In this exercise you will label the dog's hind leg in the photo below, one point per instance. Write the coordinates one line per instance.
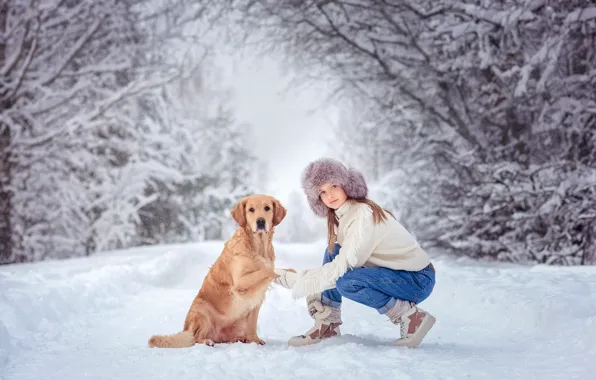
(200, 326)
(235, 332)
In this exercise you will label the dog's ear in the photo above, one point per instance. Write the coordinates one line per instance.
(279, 212)
(239, 212)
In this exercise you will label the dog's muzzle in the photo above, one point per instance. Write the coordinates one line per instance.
(261, 224)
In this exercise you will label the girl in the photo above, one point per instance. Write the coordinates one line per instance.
(370, 259)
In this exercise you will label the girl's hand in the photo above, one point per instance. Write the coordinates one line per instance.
(286, 277)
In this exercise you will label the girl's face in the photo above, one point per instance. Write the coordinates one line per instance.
(332, 195)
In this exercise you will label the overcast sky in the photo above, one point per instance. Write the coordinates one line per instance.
(288, 136)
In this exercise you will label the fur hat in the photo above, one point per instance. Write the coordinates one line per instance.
(327, 169)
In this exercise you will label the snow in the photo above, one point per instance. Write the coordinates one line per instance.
(91, 318)
(581, 14)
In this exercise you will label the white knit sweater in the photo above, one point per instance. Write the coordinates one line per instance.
(363, 244)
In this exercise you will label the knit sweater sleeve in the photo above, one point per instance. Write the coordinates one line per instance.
(356, 249)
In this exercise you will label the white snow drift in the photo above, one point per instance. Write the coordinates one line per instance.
(91, 318)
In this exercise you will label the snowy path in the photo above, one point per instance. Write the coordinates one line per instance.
(91, 318)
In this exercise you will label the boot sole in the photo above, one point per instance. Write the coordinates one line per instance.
(424, 328)
(304, 343)
(308, 342)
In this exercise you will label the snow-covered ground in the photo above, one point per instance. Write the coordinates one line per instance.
(90, 318)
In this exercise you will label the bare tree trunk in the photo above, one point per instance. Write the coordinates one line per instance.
(5, 169)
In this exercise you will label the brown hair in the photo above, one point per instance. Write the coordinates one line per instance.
(332, 221)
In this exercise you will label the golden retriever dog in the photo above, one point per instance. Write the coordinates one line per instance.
(226, 309)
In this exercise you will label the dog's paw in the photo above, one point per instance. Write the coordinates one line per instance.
(255, 339)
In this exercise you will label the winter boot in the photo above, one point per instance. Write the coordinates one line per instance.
(413, 321)
(327, 321)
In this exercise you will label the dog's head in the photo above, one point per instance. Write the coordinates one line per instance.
(258, 213)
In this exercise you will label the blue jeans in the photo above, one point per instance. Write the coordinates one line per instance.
(378, 288)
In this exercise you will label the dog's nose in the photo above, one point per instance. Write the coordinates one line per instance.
(261, 223)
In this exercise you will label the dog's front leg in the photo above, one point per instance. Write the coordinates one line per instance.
(251, 326)
(254, 281)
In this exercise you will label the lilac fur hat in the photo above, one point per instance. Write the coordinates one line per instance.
(327, 169)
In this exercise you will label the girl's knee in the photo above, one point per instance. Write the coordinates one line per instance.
(425, 292)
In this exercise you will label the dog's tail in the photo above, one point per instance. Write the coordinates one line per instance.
(178, 340)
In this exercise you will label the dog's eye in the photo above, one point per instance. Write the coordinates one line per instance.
(267, 208)
(251, 209)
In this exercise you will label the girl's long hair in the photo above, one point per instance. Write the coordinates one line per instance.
(379, 214)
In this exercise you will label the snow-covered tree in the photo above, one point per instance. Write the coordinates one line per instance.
(521, 79)
(85, 132)
(480, 111)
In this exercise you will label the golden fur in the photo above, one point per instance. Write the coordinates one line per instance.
(226, 309)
